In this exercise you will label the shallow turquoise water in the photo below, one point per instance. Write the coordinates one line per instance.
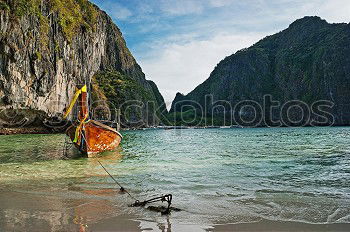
(215, 175)
(240, 175)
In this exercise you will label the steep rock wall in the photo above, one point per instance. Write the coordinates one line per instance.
(49, 47)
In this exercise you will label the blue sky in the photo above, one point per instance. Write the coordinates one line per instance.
(179, 42)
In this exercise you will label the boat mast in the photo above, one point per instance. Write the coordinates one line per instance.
(83, 104)
(83, 99)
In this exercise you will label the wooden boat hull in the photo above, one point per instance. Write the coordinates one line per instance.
(95, 137)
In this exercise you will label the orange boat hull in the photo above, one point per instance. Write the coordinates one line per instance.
(94, 138)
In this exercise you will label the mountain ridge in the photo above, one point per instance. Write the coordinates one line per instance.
(307, 62)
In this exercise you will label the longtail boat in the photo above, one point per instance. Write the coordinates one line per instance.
(89, 136)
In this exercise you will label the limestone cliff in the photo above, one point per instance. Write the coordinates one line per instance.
(47, 47)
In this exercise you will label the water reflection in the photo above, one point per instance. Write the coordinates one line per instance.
(53, 214)
(165, 227)
(53, 195)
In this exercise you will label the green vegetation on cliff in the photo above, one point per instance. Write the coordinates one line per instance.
(159, 98)
(119, 87)
(73, 14)
(120, 91)
(4, 5)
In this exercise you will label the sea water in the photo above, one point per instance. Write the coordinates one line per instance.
(216, 176)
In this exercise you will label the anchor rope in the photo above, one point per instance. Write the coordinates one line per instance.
(121, 187)
(168, 198)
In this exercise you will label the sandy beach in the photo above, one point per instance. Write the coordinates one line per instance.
(24, 211)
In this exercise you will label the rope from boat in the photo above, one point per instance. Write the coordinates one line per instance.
(86, 142)
(168, 198)
(121, 187)
(79, 128)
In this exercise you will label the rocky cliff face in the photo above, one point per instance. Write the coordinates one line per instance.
(308, 62)
(48, 47)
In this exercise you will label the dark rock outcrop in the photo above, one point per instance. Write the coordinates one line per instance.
(177, 107)
(159, 98)
(48, 47)
(307, 62)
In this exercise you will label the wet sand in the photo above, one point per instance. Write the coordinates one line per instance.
(24, 211)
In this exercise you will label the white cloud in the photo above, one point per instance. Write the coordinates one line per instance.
(335, 10)
(116, 10)
(181, 67)
(181, 7)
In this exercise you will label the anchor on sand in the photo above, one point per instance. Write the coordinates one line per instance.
(163, 210)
